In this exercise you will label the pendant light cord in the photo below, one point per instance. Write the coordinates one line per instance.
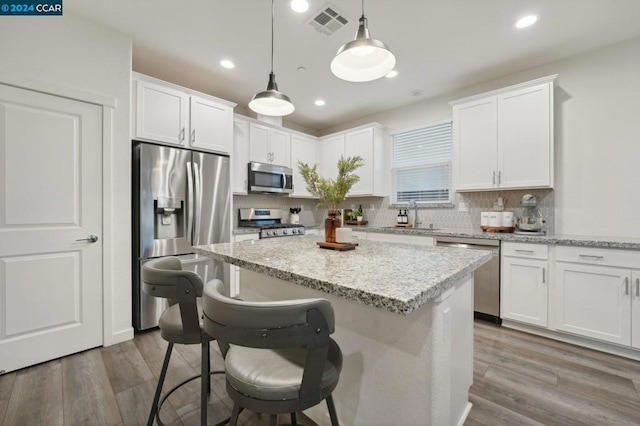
(272, 8)
(363, 8)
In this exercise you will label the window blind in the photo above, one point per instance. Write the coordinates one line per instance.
(421, 168)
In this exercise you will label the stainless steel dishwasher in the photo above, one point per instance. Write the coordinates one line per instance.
(486, 302)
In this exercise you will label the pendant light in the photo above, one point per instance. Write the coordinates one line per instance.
(363, 59)
(271, 102)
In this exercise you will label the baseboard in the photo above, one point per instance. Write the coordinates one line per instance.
(575, 340)
(121, 336)
(465, 414)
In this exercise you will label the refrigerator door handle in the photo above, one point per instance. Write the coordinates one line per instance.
(190, 202)
(197, 192)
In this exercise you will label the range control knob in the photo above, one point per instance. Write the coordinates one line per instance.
(285, 231)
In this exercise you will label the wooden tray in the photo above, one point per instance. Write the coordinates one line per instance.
(355, 222)
(498, 228)
(337, 246)
(403, 225)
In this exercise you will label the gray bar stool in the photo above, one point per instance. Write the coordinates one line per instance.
(279, 357)
(180, 323)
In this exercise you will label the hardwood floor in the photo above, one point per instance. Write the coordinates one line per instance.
(519, 379)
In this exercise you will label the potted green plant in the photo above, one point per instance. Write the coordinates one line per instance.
(331, 193)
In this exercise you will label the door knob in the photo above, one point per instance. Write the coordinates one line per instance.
(91, 238)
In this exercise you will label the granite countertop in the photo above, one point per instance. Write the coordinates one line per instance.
(396, 277)
(557, 239)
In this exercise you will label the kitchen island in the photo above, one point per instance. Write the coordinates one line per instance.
(404, 321)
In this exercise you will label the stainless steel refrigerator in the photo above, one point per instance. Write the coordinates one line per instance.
(181, 198)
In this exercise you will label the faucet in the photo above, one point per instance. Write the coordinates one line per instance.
(416, 222)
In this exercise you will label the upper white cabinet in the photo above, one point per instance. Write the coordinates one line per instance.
(504, 139)
(172, 115)
(240, 156)
(304, 149)
(367, 142)
(269, 145)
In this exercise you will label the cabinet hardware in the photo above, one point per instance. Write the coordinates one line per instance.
(626, 286)
(525, 251)
(543, 275)
(182, 135)
(590, 256)
(637, 287)
(193, 135)
(494, 177)
(499, 177)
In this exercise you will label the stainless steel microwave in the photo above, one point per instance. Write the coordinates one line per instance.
(270, 179)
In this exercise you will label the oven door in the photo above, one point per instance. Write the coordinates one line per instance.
(269, 178)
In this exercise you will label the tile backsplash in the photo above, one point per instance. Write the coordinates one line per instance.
(378, 212)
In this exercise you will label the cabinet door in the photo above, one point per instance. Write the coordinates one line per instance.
(635, 309)
(280, 144)
(303, 149)
(593, 301)
(360, 142)
(525, 134)
(475, 137)
(240, 157)
(524, 291)
(331, 149)
(259, 143)
(211, 125)
(161, 114)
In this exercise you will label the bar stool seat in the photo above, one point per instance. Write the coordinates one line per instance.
(172, 329)
(278, 355)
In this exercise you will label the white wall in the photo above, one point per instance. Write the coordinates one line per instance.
(597, 136)
(70, 55)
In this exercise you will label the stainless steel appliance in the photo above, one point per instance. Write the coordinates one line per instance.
(270, 179)
(531, 220)
(181, 198)
(269, 222)
(486, 299)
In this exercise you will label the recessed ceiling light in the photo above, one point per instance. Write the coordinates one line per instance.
(302, 69)
(392, 74)
(319, 102)
(526, 21)
(416, 92)
(299, 6)
(227, 64)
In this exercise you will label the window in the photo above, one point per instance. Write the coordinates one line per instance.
(421, 168)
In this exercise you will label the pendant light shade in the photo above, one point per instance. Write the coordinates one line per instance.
(363, 59)
(271, 102)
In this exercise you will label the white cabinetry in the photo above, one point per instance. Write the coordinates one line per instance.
(596, 294)
(367, 142)
(304, 149)
(234, 284)
(269, 145)
(524, 283)
(504, 139)
(240, 156)
(172, 115)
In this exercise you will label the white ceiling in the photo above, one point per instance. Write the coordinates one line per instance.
(440, 45)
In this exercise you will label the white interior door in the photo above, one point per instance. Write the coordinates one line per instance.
(50, 200)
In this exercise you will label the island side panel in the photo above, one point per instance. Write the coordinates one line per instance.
(416, 369)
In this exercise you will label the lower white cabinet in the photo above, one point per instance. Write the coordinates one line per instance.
(593, 301)
(635, 309)
(598, 294)
(524, 283)
(234, 278)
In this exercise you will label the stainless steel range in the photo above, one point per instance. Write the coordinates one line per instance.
(269, 221)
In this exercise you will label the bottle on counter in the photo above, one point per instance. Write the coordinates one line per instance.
(405, 217)
(400, 219)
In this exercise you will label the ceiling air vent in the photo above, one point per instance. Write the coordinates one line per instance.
(328, 20)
